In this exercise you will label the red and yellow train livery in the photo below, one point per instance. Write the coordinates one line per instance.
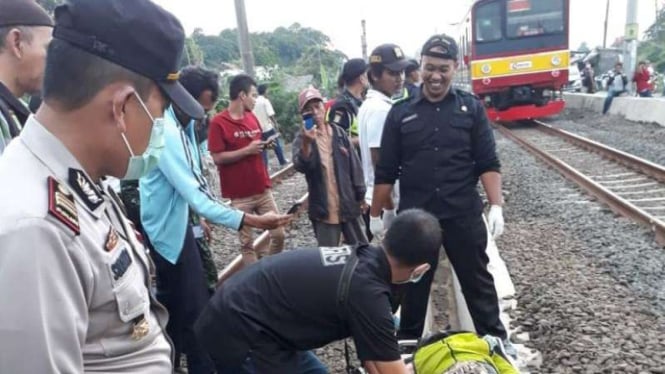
(516, 56)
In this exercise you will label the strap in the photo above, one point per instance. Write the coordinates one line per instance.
(343, 298)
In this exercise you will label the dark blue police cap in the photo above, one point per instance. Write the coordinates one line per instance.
(135, 34)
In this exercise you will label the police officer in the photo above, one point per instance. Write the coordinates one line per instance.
(439, 143)
(25, 31)
(74, 277)
(292, 302)
(344, 110)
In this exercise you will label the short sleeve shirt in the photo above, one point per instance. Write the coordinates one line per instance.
(292, 299)
(247, 176)
(371, 118)
(263, 110)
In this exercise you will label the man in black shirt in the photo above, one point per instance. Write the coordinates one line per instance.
(287, 304)
(439, 144)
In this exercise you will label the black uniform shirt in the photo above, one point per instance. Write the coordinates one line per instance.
(344, 112)
(438, 151)
(292, 298)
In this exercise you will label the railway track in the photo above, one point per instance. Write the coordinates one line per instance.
(263, 240)
(630, 186)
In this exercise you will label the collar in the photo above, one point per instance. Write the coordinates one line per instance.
(452, 92)
(353, 99)
(376, 94)
(63, 165)
(20, 110)
(226, 115)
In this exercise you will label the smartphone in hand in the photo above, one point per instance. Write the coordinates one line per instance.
(272, 138)
(308, 120)
(294, 208)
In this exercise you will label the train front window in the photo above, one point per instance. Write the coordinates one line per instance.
(534, 17)
(488, 22)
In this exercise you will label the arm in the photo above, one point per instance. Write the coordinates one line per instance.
(377, 120)
(357, 177)
(301, 150)
(483, 147)
(491, 181)
(182, 175)
(44, 315)
(387, 166)
(230, 157)
(385, 367)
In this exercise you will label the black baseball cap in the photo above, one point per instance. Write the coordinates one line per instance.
(447, 45)
(390, 56)
(413, 66)
(353, 68)
(135, 34)
(23, 13)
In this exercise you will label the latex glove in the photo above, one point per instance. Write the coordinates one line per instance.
(376, 226)
(388, 217)
(495, 220)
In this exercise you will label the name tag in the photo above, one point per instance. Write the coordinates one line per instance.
(410, 118)
(120, 266)
(332, 256)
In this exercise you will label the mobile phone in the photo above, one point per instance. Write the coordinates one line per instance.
(272, 138)
(294, 208)
(308, 120)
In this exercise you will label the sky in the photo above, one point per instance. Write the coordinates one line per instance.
(406, 23)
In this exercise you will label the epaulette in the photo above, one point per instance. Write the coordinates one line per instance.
(61, 205)
(462, 92)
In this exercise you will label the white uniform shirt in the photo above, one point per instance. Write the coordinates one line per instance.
(371, 118)
(74, 277)
(263, 111)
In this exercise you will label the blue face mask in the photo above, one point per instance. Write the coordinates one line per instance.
(140, 165)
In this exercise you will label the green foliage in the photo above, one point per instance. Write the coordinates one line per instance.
(653, 46)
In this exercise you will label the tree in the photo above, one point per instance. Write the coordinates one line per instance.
(651, 48)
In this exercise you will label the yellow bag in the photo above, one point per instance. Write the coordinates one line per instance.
(461, 352)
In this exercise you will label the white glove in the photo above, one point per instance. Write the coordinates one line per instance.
(376, 226)
(495, 221)
(388, 217)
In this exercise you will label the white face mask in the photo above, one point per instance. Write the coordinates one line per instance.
(413, 278)
(140, 165)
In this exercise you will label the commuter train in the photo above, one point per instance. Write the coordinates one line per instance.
(515, 56)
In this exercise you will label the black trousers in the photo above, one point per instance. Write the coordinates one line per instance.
(465, 243)
(183, 290)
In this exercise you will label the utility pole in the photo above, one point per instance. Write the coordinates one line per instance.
(363, 40)
(630, 40)
(243, 38)
(607, 15)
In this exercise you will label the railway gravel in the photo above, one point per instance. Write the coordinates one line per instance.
(589, 284)
(645, 140)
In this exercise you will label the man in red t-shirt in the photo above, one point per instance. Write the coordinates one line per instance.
(234, 141)
(642, 80)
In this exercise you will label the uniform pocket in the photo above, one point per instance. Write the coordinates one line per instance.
(130, 293)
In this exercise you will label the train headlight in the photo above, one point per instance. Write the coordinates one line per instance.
(486, 68)
(556, 60)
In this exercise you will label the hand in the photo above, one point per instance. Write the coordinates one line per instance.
(207, 230)
(270, 220)
(309, 135)
(255, 147)
(376, 226)
(363, 207)
(495, 221)
(388, 217)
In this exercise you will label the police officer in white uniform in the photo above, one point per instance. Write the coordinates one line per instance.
(74, 276)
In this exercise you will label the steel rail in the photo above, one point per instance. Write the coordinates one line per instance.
(618, 204)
